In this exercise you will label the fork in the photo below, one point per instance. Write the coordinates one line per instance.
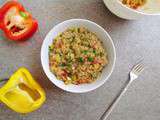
(134, 73)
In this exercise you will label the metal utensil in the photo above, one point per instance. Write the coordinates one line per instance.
(134, 73)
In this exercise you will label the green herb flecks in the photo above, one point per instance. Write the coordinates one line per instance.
(62, 64)
(94, 51)
(85, 52)
(50, 48)
(90, 59)
(81, 59)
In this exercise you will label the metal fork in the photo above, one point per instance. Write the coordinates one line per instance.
(134, 73)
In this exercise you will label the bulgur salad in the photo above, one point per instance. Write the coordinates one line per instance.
(134, 3)
(77, 56)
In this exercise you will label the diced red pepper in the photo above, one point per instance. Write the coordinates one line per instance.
(16, 22)
(97, 61)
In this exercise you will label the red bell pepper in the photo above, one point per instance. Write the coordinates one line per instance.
(16, 22)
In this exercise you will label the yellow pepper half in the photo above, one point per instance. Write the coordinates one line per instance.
(22, 93)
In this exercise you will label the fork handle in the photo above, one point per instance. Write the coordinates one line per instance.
(115, 101)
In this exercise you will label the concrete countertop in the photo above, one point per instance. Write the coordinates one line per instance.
(133, 40)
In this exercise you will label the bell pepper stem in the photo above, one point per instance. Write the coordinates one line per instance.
(2, 80)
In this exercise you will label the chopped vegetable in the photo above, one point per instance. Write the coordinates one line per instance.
(85, 52)
(62, 65)
(90, 59)
(73, 77)
(94, 51)
(58, 58)
(50, 48)
(81, 59)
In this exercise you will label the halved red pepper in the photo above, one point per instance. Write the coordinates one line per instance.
(16, 22)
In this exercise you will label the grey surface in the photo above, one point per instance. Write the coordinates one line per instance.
(133, 40)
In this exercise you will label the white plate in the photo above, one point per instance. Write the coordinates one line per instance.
(107, 42)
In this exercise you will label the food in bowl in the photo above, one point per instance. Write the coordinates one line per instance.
(77, 56)
(134, 3)
(148, 6)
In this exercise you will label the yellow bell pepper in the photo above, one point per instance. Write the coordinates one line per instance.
(22, 93)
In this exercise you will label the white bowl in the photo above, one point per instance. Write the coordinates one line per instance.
(107, 42)
(122, 11)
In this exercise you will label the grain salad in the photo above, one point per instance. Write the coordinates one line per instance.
(77, 56)
(134, 3)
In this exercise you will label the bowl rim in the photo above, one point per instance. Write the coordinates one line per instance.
(136, 11)
(113, 64)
